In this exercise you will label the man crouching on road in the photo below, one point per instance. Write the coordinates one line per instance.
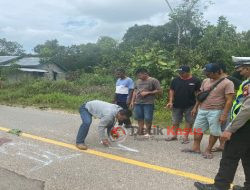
(108, 114)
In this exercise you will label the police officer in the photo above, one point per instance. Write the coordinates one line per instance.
(237, 135)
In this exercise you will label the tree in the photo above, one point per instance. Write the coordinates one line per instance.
(90, 56)
(244, 44)
(47, 50)
(136, 35)
(108, 51)
(220, 42)
(157, 61)
(189, 21)
(51, 52)
(10, 48)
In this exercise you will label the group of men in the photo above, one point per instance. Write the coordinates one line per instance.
(139, 97)
(236, 135)
(222, 111)
(212, 104)
(213, 113)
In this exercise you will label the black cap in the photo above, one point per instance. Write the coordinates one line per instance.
(184, 69)
(212, 68)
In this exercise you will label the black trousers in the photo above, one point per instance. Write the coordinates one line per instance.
(235, 150)
(124, 106)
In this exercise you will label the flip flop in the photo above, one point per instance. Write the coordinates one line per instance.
(190, 151)
(185, 141)
(207, 155)
(171, 139)
(217, 149)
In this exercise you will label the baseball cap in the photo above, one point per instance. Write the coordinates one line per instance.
(184, 69)
(211, 68)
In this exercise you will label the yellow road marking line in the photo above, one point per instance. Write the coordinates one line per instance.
(119, 158)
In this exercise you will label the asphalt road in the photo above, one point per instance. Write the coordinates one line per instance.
(32, 163)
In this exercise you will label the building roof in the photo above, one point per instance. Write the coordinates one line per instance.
(33, 70)
(28, 61)
(7, 59)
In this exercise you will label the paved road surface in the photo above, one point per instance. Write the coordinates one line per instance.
(40, 164)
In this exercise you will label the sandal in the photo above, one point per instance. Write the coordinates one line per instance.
(190, 151)
(171, 139)
(207, 155)
(217, 149)
(185, 141)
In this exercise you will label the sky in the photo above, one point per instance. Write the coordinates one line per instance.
(32, 22)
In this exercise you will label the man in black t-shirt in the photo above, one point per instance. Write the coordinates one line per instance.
(182, 98)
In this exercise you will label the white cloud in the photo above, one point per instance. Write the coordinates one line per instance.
(120, 10)
(237, 12)
(32, 22)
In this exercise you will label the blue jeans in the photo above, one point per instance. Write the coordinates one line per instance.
(84, 128)
(144, 112)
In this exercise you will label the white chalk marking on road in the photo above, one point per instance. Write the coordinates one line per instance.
(41, 158)
(122, 147)
(121, 159)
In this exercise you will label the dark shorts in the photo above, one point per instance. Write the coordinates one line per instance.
(122, 104)
(144, 112)
(178, 113)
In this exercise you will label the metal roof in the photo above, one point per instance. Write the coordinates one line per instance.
(28, 61)
(33, 70)
(7, 58)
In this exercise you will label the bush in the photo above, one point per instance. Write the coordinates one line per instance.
(69, 95)
(55, 94)
(87, 80)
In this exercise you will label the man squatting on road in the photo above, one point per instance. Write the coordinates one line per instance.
(108, 114)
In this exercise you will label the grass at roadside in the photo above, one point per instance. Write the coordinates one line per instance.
(69, 95)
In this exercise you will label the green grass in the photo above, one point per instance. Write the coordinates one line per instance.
(162, 116)
(69, 95)
(57, 100)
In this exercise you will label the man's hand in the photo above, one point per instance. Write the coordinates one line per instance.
(169, 105)
(128, 102)
(226, 135)
(131, 106)
(223, 119)
(143, 93)
(194, 111)
(105, 142)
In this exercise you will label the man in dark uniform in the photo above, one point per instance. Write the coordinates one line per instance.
(237, 135)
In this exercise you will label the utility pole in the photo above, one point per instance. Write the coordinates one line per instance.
(177, 24)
